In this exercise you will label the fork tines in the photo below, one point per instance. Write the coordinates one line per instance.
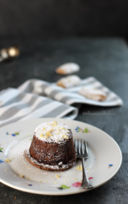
(81, 147)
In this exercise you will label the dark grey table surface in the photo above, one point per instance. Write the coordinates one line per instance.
(105, 59)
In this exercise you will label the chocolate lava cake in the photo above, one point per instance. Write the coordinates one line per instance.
(52, 147)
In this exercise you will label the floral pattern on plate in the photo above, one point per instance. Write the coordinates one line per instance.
(82, 130)
(13, 134)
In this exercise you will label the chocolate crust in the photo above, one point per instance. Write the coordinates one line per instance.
(52, 153)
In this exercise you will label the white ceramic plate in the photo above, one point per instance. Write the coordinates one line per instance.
(104, 161)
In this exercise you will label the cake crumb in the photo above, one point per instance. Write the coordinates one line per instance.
(21, 176)
(65, 136)
(48, 134)
(54, 124)
(79, 168)
(41, 135)
(7, 160)
(43, 129)
(57, 176)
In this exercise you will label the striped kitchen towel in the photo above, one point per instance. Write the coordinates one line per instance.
(71, 96)
(37, 98)
(16, 105)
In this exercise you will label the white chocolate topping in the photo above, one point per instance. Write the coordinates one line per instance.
(52, 132)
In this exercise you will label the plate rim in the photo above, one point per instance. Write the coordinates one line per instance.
(64, 193)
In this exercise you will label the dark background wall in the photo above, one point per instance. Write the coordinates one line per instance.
(59, 18)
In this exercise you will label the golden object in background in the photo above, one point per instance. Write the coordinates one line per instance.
(13, 52)
(7, 53)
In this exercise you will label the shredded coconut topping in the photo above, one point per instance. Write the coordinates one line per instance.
(52, 132)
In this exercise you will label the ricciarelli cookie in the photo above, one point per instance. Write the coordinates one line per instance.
(68, 68)
(68, 82)
(93, 93)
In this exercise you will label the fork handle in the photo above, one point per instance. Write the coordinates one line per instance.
(85, 181)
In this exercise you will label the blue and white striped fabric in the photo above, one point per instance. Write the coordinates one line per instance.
(37, 98)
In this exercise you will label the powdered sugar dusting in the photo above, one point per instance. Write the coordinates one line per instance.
(59, 166)
(52, 131)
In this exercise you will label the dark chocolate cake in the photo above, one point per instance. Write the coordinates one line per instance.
(52, 147)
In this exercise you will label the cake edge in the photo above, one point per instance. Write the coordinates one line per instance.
(48, 167)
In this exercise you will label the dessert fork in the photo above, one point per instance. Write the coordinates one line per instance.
(82, 153)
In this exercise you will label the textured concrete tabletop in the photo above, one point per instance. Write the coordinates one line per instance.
(105, 59)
